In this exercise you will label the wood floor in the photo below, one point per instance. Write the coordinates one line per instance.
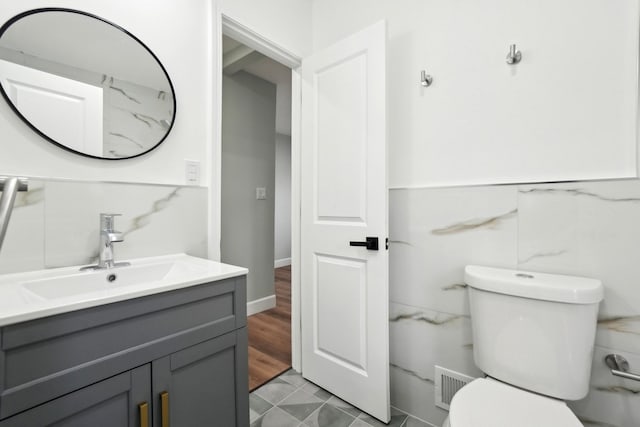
(270, 334)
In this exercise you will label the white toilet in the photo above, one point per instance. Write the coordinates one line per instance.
(533, 336)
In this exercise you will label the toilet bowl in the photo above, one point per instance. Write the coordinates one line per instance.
(486, 402)
(533, 336)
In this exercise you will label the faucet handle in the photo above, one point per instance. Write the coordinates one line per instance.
(107, 221)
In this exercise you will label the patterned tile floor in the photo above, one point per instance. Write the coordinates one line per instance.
(291, 401)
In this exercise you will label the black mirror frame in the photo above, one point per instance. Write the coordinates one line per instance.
(6, 26)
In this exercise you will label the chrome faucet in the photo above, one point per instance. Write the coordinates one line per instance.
(108, 236)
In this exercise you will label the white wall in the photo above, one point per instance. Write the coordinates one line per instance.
(286, 23)
(178, 33)
(568, 111)
(183, 36)
(282, 241)
(179, 36)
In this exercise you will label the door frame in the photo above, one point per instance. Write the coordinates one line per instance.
(228, 26)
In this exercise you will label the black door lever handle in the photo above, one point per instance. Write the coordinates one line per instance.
(371, 244)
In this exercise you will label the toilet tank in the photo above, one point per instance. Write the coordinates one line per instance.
(534, 330)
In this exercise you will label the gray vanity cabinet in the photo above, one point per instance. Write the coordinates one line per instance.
(200, 384)
(179, 358)
(116, 401)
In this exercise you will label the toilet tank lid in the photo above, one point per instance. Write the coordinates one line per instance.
(541, 286)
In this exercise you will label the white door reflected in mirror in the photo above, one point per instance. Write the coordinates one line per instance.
(64, 109)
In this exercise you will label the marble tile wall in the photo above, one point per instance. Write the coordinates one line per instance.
(56, 223)
(588, 229)
(133, 117)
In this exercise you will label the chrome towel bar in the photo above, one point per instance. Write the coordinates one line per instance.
(9, 187)
(23, 183)
(620, 367)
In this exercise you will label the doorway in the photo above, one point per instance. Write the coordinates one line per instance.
(338, 97)
(256, 198)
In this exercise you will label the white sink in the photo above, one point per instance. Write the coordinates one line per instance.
(31, 295)
(98, 280)
(15, 297)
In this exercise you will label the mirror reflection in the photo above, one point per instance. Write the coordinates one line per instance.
(85, 84)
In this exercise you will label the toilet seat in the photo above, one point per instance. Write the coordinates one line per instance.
(491, 403)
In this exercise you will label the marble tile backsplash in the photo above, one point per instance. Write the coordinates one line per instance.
(56, 223)
(585, 229)
(420, 339)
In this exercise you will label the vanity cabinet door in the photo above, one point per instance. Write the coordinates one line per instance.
(116, 401)
(203, 385)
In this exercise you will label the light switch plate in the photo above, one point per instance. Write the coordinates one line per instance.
(261, 193)
(192, 171)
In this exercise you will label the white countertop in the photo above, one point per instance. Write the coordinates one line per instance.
(37, 294)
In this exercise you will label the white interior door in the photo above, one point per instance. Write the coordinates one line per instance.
(344, 288)
(67, 111)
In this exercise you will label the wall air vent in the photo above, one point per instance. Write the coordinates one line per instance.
(448, 383)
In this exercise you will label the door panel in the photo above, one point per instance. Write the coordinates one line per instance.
(344, 288)
(341, 144)
(341, 309)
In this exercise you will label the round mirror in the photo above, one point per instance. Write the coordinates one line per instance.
(85, 84)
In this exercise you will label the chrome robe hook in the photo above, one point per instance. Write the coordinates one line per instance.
(514, 56)
(425, 79)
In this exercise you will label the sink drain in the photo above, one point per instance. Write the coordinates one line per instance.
(111, 278)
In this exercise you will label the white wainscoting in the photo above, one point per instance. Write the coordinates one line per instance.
(262, 304)
(281, 262)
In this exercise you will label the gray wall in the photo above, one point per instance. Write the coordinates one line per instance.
(282, 249)
(248, 161)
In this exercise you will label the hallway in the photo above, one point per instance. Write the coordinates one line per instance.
(270, 334)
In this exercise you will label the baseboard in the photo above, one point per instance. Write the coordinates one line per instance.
(261, 304)
(281, 262)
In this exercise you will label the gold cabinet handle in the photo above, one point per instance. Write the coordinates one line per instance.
(143, 409)
(164, 400)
